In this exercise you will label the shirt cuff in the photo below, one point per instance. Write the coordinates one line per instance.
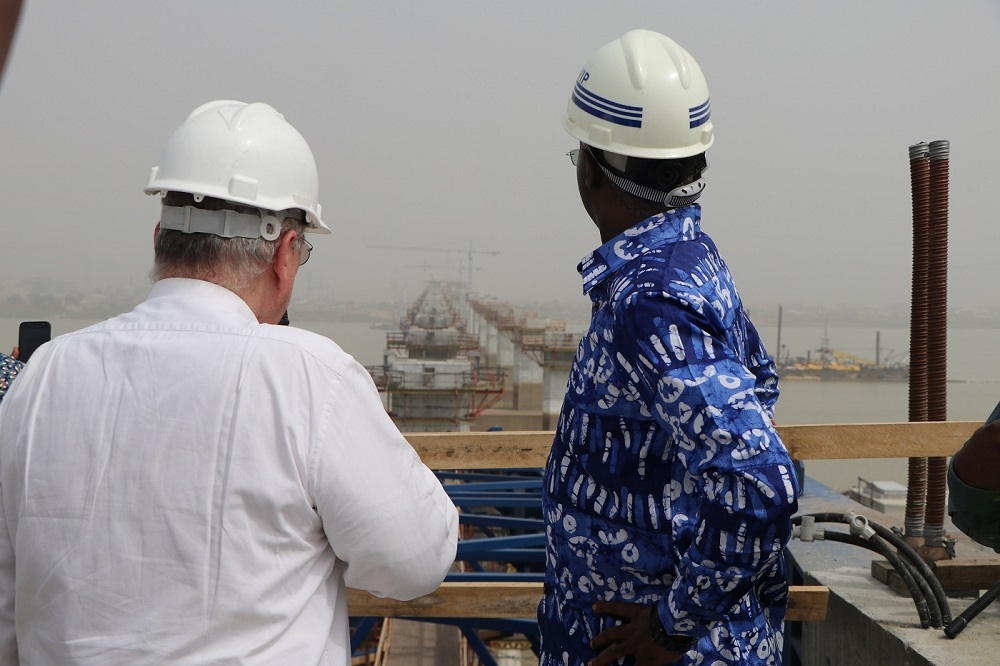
(682, 627)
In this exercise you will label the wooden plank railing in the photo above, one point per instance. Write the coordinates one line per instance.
(497, 450)
(876, 440)
(504, 450)
(520, 600)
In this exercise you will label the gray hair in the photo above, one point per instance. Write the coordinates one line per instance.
(234, 263)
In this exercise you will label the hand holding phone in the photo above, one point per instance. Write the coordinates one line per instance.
(31, 336)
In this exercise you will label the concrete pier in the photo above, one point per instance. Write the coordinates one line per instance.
(536, 352)
(558, 351)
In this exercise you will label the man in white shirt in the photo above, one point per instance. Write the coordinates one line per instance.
(190, 482)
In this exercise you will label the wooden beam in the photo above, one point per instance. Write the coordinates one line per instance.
(516, 600)
(876, 440)
(482, 450)
(807, 603)
(967, 574)
(520, 600)
(497, 450)
(961, 578)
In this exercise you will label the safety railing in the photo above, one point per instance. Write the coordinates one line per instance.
(513, 599)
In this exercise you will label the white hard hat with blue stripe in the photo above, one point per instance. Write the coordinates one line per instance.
(641, 95)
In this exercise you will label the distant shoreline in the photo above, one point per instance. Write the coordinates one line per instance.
(18, 302)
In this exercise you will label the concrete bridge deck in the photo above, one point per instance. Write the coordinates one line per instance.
(869, 624)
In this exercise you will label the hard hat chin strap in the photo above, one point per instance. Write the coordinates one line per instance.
(224, 223)
(684, 195)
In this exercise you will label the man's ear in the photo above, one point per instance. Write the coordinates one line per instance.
(286, 258)
(590, 173)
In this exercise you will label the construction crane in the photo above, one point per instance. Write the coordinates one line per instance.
(470, 252)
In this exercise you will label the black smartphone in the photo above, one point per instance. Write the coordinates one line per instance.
(31, 336)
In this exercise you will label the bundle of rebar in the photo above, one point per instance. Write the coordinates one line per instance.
(916, 486)
(927, 478)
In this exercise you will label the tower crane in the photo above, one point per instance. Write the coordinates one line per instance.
(470, 252)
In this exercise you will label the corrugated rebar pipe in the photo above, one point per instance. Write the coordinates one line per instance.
(937, 337)
(916, 487)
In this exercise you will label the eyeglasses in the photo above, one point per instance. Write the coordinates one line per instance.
(305, 251)
(574, 155)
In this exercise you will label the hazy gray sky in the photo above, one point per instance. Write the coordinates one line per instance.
(437, 124)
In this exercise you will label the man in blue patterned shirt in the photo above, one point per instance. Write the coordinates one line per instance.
(667, 494)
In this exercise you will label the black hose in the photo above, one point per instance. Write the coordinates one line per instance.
(956, 626)
(928, 582)
(897, 541)
(937, 620)
(920, 565)
(880, 547)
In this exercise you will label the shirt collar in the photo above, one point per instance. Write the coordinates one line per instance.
(210, 301)
(670, 226)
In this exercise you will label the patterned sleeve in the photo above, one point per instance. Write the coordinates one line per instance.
(765, 370)
(731, 487)
(9, 367)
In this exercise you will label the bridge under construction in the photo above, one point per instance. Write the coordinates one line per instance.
(456, 355)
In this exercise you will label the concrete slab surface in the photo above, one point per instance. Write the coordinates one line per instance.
(867, 622)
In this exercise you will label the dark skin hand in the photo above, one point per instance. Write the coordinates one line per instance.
(630, 638)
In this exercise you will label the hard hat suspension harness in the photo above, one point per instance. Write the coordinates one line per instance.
(682, 195)
(225, 223)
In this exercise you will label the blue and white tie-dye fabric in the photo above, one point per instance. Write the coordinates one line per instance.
(667, 482)
(9, 367)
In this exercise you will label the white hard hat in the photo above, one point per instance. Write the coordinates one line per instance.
(643, 96)
(243, 153)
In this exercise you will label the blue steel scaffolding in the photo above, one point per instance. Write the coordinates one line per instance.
(503, 540)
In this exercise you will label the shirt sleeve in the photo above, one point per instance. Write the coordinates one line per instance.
(385, 514)
(727, 461)
(994, 415)
(8, 637)
(765, 371)
(974, 511)
(9, 367)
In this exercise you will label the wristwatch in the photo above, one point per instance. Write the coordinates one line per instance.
(673, 642)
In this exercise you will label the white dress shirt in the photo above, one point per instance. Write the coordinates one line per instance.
(181, 484)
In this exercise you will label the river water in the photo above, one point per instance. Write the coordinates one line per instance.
(973, 387)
